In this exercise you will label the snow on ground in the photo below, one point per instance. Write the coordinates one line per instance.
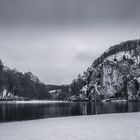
(97, 127)
(119, 56)
(33, 102)
(38, 101)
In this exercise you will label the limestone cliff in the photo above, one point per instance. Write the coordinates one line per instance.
(115, 74)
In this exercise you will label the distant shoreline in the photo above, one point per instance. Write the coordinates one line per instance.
(57, 101)
(31, 101)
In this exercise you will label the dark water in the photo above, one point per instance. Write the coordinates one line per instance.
(18, 112)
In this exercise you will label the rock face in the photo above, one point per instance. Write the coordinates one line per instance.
(116, 74)
(112, 77)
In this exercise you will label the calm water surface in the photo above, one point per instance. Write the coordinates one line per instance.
(30, 111)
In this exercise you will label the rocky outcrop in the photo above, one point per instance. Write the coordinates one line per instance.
(115, 74)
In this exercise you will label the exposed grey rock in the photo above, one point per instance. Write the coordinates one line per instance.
(116, 73)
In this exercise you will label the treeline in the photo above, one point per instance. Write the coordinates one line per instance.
(22, 85)
(65, 92)
(77, 85)
(61, 92)
(124, 46)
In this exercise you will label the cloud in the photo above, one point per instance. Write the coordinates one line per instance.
(68, 11)
(58, 39)
(85, 57)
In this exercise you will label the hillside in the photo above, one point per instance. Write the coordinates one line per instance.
(58, 92)
(115, 74)
(15, 85)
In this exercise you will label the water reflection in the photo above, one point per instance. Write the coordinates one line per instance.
(16, 112)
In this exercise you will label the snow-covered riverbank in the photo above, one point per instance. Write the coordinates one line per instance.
(124, 126)
(33, 102)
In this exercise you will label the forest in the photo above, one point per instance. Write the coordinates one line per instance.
(19, 84)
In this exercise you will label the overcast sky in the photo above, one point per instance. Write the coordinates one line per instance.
(58, 39)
